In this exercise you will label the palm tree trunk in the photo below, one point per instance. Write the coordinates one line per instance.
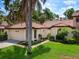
(29, 25)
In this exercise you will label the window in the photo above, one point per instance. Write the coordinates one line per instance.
(17, 31)
(35, 33)
(77, 19)
(2, 30)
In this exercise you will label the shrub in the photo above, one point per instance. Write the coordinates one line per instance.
(61, 34)
(36, 42)
(40, 36)
(70, 40)
(50, 37)
(3, 36)
(76, 35)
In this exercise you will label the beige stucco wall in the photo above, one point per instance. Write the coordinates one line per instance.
(20, 34)
(54, 31)
(76, 23)
(43, 32)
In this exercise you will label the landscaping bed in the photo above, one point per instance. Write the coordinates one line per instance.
(33, 42)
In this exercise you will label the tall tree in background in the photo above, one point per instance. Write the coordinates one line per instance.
(46, 15)
(50, 15)
(68, 13)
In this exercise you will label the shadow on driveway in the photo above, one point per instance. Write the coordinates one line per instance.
(10, 41)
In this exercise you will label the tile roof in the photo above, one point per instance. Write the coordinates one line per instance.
(46, 25)
(23, 25)
(58, 23)
(2, 27)
(75, 14)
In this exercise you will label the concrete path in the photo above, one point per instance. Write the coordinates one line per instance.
(8, 43)
(14, 42)
(34, 46)
(5, 44)
(40, 44)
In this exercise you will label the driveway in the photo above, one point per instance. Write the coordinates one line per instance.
(8, 43)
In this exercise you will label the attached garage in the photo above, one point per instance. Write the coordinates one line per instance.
(17, 34)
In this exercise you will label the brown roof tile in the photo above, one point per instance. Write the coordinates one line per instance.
(58, 23)
(46, 25)
(75, 14)
(23, 25)
(2, 27)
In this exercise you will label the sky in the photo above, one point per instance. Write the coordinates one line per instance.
(2, 8)
(59, 6)
(56, 6)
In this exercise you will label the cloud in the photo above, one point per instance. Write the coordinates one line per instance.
(70, 2)
(62, 10)
(52, 6)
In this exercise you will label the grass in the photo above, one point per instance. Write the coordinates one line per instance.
(12, 52)
(50, 50)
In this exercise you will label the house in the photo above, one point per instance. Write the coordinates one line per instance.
(76, 19)
(3, 25)
(18, 31)
(54, 26)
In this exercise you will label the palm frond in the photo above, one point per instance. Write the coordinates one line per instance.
(6, 4)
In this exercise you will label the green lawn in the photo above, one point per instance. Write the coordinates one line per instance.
(50, 50)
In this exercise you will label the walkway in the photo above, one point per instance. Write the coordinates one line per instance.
(8, 43)
(40, 44)
(14, 42)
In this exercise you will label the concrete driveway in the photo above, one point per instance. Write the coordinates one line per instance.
(7, 43)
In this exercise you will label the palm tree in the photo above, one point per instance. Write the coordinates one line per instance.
(26, 8)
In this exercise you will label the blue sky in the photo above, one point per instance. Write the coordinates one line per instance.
(57, 6)
(3, 8)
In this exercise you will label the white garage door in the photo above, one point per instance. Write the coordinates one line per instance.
(17, 34)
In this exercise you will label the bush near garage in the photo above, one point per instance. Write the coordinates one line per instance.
(3, 36)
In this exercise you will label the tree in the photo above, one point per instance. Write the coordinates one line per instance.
(2, 18)
(41, 17)
(50, 15)
(26, 7)
(13, 7)
(68, 13)
(38, 17)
